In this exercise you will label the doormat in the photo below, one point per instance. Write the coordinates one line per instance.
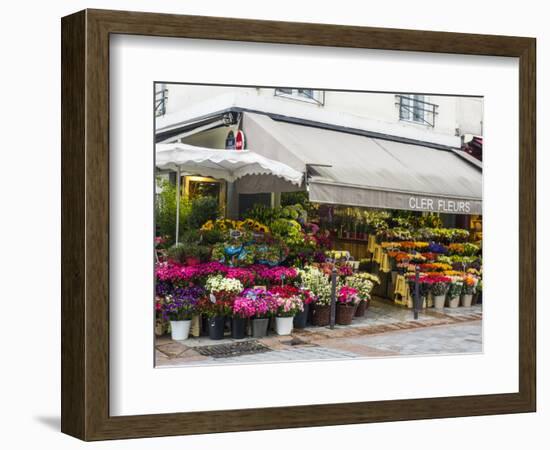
(234, 349)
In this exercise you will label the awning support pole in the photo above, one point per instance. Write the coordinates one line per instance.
(417, 299)
(178, 195)
(333, 298)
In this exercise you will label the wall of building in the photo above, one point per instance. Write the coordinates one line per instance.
(455, 116)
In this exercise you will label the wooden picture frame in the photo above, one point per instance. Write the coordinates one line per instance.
(85, 224)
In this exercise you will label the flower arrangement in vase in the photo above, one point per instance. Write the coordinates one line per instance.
(318, 283)
(259, 305)
(468, 290)
(178, 310)
(287, 308)
(223, 291)
(438, 287)
(364, 284)
(455, 289)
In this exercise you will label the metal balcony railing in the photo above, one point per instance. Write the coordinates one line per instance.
(415, 110)
(161, 98)
(308, 95)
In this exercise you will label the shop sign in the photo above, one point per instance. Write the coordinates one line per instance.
(230, 141)
(239, 140)
(439, 205)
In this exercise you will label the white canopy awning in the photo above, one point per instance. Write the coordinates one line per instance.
(229, 165)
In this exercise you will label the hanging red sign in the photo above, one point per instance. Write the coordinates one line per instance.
(239, 140)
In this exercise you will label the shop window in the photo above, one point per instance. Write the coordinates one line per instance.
(414, 108)
(206, 187)
(306, 95)
(249, 201)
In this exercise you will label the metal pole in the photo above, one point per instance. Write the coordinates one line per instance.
(416, 291)
(333, 298)
(178, 194)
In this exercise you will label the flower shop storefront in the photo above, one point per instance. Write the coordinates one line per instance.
(354, 217)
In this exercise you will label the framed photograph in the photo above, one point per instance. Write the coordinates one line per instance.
(274, 225)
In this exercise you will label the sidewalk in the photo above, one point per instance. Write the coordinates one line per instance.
(387, 330)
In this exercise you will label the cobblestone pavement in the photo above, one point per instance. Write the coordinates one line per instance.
(386, 330)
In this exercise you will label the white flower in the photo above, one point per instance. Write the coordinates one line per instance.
(317, 282)
(217, 283)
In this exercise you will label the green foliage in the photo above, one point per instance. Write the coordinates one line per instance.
(165, 211)
(289, 231)
(181, 251)
(191, 236)
(267, 215)
(263, 214)
(294, 198)
(177, 252)
(455, 289)
(211, 237)
(202, 210)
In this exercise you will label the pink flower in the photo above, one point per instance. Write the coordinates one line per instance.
(347, 295)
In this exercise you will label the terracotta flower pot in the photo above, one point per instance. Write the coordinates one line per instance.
(344, 314)
(320, 316)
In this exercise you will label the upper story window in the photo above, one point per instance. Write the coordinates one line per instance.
(161, 99)
(306, 95)
(414, 108)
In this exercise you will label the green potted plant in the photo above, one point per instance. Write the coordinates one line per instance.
(178, 311)
(453, 294)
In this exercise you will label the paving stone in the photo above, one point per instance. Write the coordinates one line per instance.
(172, 349)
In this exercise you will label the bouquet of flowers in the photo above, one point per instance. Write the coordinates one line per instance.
(288, 306)
(439, 287)
(288, 291)
(244, 307)
(455, 288)
(285, 291)
(218, 283)
(177, 308)
(348, 296)
(272, 275)
(317, 283)
(470, 283)
(263, 303)
(362, 284)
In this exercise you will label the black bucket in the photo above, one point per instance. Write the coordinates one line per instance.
(300, 319)
(216, 326)
(238, 328)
